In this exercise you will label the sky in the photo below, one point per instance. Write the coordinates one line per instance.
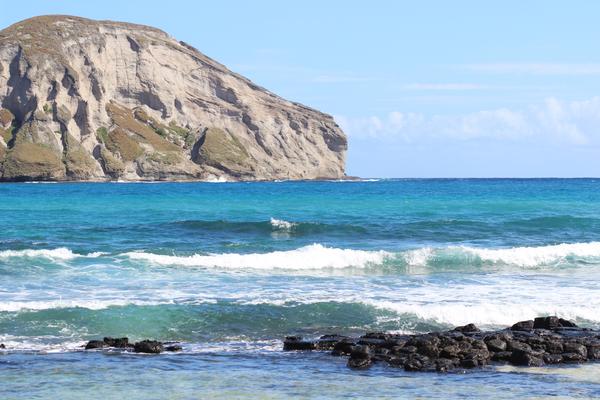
(422, 88)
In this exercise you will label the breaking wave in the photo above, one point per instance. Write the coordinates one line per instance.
(61, 253)
(315, 256)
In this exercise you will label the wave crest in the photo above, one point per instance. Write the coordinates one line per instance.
(61, 253)
(315, 256)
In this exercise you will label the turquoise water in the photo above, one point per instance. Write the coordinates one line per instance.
(229, 269)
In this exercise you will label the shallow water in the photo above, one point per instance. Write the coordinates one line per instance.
(231, 268)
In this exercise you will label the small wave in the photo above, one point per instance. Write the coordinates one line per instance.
(282, 225)
(61, 253)
(518, 256)
(315, 256)
(92, 304)
(486, 314)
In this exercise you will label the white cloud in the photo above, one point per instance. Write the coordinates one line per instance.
(553, 121)
(340, 79)
(536, 68)
(444, 86)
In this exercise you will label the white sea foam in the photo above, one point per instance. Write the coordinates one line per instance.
(90, 304)
(282, 225)
(61, 253)
(315, 256)
(519, 256)
(486, 312)
(533, 256)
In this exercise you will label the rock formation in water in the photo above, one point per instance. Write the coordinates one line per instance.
(532, 343)
(95, 100)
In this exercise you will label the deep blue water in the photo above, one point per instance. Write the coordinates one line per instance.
(229, 269)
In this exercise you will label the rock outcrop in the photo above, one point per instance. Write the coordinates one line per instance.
(533, 343)
(96, 100)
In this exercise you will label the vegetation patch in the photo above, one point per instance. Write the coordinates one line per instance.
(221, 149)
(102, 135)
(125, 119)
(6, 117)
(32, 160)
(120, 142)
(78, 162)
(112, 165)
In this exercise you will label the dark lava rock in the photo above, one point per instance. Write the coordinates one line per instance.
(593, 351)
(469, 328)
(574, 347)
(533, 343)
(554, 346)
(502, 356)
(173, 348)
(566, 324)
(296, 343)
(573, 358)
(328, 342)
(496, 345)
(553, 358)
(359, 363)
(546, 323)
(343, 347)
(2, 346)
(360, 352)
(148, 346)
(526, 358)
(95, 344)
(522, 326)
(120, 343)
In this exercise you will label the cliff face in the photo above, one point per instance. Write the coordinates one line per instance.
(93, 100)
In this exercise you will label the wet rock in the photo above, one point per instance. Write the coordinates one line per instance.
(296, 343)
(573, 358)
(148, 346)
(574, 347)
(450, 351)
(469, 328)
(360, 352)
(343, 347)
(173, 348)
(445, 364)
(496, 345)
(522, 326)
(553, 341)
(553, 358)
(546, 323)
(2, 346)
(120, 343)
(328, 342)
(526, 358)
(516, 345)
(567, 324)
(95, 344)
(502, 356)
(593, 351)
(359, 363)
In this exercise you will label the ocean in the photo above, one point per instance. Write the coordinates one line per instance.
(230, 269)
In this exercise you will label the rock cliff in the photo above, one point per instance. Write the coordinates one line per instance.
(94, 100)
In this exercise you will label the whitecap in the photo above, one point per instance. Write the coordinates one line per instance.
(61, 253)
(315, 256)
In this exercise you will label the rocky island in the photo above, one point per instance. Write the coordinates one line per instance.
(99, 100)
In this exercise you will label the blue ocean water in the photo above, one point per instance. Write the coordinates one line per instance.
(229, 269)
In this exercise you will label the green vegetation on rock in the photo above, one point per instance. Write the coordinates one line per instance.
(79, 163)
(222, 150)
(28, 160)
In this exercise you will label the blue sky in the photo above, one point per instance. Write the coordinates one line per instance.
(422, 88)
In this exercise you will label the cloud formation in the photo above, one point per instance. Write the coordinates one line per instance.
(553, 121)
(535, 68)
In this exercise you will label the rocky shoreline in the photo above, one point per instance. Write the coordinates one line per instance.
(532, 343)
